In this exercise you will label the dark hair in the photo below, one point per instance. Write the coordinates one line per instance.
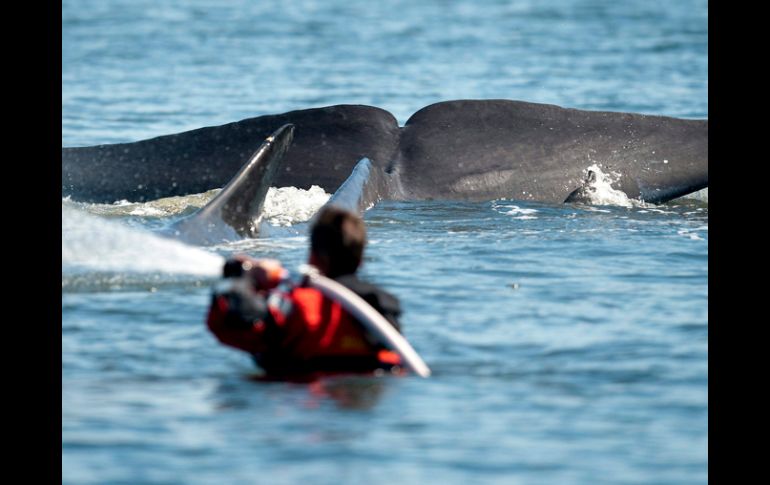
(339, 236)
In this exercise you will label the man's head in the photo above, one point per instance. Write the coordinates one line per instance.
(337, 241)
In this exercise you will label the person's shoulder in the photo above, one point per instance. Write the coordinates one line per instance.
(358, 285)
(372, 293)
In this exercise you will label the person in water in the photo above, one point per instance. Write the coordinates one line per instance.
(294, 330)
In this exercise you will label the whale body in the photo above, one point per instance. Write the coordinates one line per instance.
(454, 150)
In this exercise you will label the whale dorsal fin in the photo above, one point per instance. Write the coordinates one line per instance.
(365, 186)
(236, 210)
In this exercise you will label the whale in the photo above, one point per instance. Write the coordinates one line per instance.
(328, 142)
(452, 150)
(236, 211)
(366, 185)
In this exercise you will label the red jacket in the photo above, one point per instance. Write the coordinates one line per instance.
(298, 330)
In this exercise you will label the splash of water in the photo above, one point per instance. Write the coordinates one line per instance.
(286, 206)
(92, 243)
(112, 246)
(159, 208)
(602, 193)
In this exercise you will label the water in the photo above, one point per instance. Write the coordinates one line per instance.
(569, 344)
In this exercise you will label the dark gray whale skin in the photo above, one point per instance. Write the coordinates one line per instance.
(458, 150)
(489, 149)
(328, 142)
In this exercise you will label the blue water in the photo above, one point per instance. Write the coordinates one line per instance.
(569, 344)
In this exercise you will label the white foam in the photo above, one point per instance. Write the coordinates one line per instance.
(515, 211)
(604, 194)
(286, 206)
(518, 211)
(148, 212)
(692, 233)
(165, 207)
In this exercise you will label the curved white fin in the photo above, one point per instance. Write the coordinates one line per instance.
(365, 186)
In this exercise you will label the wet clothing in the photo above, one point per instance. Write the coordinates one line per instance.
(296, 330)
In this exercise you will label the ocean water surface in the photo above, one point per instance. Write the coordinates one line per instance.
(568, 343)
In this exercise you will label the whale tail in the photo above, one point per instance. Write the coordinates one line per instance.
(235, 212)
